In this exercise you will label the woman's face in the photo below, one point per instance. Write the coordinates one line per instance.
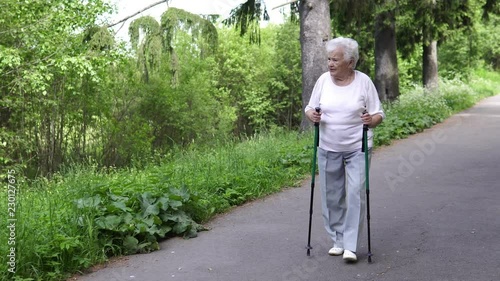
(337, 65)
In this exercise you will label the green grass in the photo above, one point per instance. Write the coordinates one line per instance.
(85, 215)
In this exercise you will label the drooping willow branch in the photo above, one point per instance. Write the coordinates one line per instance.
(246, 17)
(152, 40)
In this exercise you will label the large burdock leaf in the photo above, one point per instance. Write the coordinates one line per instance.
(131, 244)
(110, 222)
(153, 209)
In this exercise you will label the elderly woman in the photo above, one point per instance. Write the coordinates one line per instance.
(348, 99)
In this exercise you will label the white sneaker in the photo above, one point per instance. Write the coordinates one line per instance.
(336, 251)
(350, 256)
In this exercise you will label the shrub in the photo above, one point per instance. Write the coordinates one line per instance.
(411, 113)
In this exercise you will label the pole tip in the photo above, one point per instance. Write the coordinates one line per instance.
(369, 257)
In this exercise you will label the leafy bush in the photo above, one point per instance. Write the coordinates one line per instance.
(419, 109)
(458, 96)
(411, 113)
(486, 83)
(135, 221)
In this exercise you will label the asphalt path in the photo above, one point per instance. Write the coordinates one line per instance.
(435, 215)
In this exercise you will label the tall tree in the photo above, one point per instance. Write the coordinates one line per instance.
(386, 61)
(426, 24)
(429, 44)
(315, 31)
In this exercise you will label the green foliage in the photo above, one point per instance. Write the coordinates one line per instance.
(98, 38)
(420, 22)
(458, 95)
(285, 85)
(167, 114)
(485, 82)
(49, 78)
(149, 50)
(428, 108)
(59, 245)
(263, 82)
(203, 33)
(410, 70)
(470, 47)
(246, 18)
(133, 219)
(85, 215)
(93, 102)
(489, 39)
(146, 26)
(245, 73)
(71, 94)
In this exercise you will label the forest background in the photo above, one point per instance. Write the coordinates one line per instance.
(109, 147)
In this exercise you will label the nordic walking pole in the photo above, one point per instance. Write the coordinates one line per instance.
(313, 174)
(364, 149)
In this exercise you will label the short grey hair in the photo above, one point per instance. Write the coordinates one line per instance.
(350, 47)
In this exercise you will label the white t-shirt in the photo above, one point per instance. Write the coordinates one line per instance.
(341, 127)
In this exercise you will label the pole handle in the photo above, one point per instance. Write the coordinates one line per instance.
(365, 126)
(365, 133)
(318, 110)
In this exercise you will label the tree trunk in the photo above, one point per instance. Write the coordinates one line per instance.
(386, 61)
(315, 30)
(430, 66)
(429, 57)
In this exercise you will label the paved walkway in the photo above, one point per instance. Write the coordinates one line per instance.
(435, 204)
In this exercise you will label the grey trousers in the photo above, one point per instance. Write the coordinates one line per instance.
(343, 195)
